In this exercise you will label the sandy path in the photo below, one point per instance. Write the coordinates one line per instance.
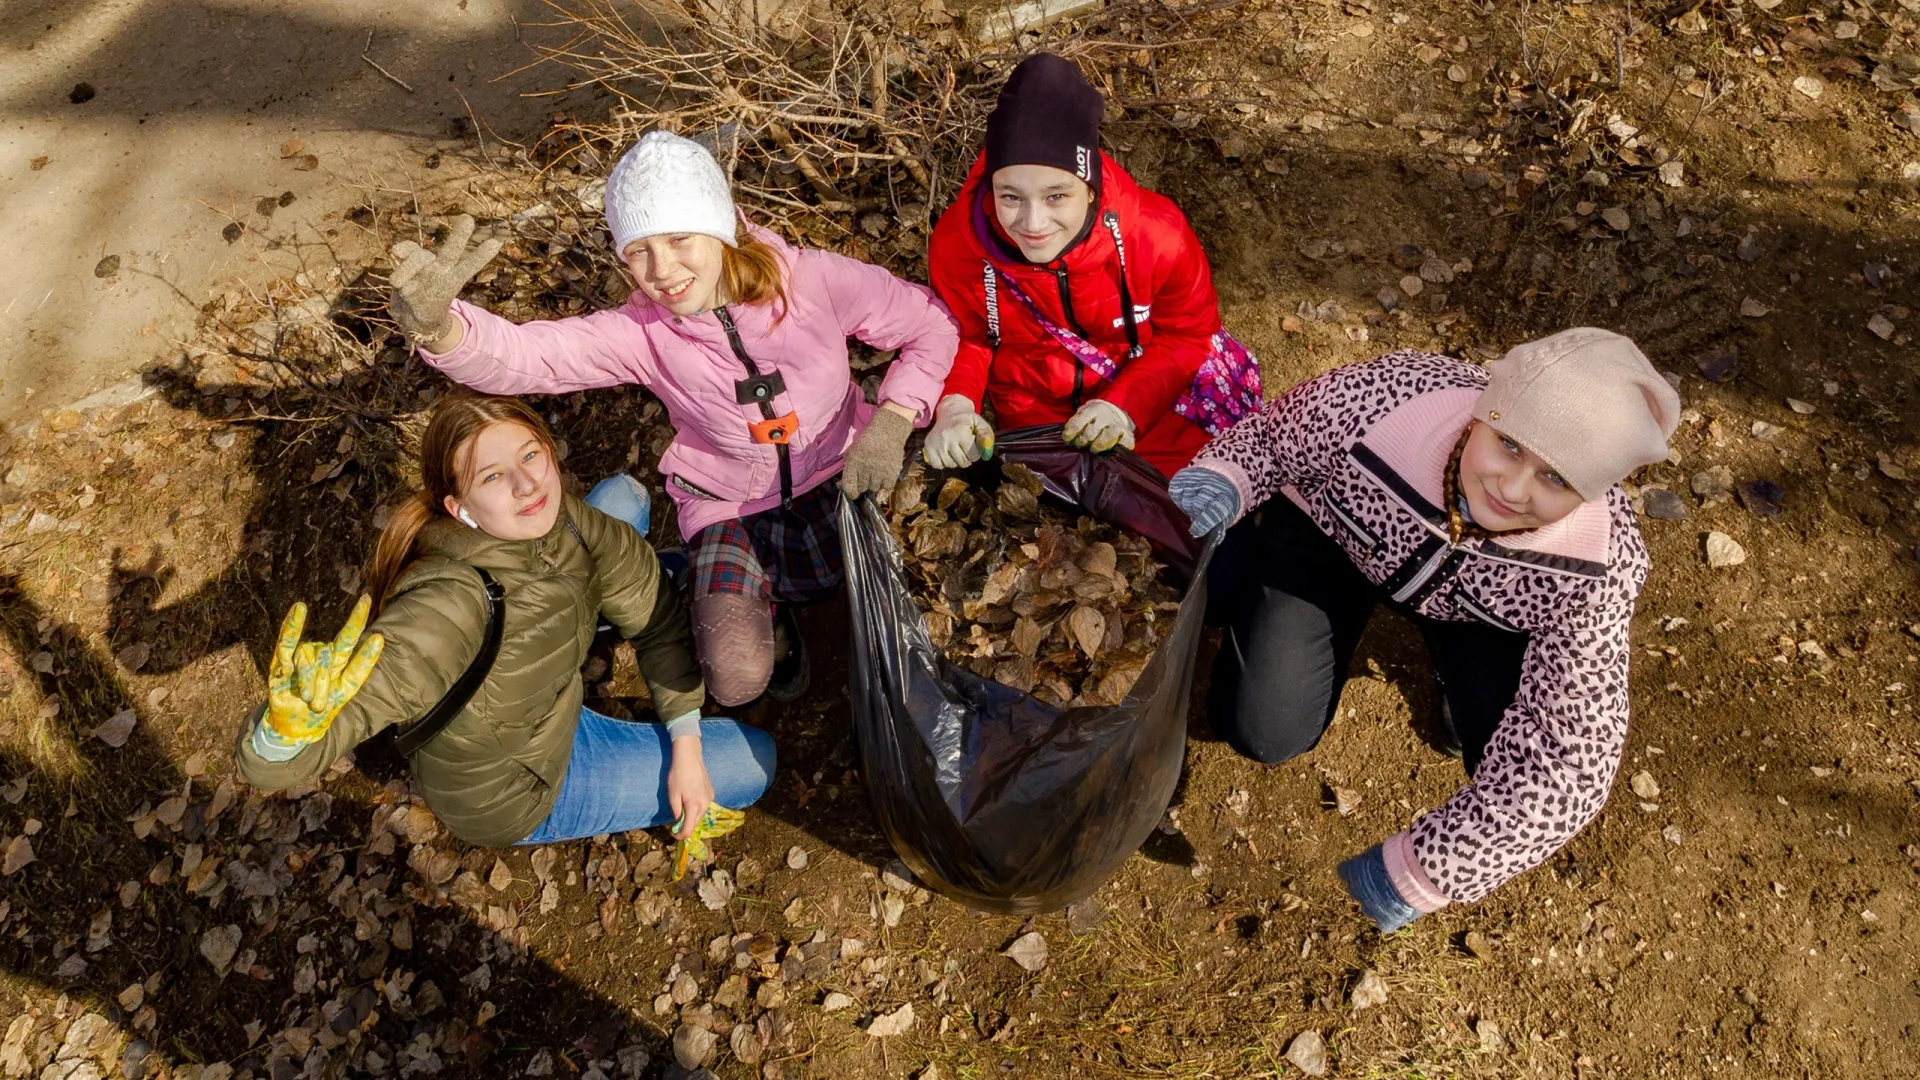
(191, 105)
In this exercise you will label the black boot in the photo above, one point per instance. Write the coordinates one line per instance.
(1449, 737)
(791, 669)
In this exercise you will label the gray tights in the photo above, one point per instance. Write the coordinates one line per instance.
(734, 637)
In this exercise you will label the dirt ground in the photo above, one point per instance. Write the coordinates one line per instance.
(1745, 906)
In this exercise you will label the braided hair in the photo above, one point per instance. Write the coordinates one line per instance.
(1459, 526)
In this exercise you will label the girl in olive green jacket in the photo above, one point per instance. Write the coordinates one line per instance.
(523, 761)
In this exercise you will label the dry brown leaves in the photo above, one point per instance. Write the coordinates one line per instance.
(1013, 589)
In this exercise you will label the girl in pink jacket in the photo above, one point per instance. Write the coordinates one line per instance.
(744, 339)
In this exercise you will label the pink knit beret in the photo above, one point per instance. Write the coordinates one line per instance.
(1587, 401)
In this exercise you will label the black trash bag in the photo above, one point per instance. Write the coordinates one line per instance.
(989, 795)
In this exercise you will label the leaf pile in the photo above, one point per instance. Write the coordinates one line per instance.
(1013, 589)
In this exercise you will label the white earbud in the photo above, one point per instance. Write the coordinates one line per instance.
(467, 519)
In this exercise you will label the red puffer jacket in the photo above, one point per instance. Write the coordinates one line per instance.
(1033, 379)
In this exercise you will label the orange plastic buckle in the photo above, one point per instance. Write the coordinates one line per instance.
(777, 430)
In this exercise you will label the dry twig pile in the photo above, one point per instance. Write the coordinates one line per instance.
(851, 116)
(845, 131)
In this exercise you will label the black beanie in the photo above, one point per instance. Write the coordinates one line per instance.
(1047, 115)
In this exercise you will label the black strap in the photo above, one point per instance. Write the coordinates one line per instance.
(766, 405)
(1112, 221)
(1065, 287)
(991, 278)
(993, 303)
(422, 731)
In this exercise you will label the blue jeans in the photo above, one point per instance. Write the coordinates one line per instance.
(623, 498)
(617, 776)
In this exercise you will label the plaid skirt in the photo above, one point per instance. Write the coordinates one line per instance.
(790, 556)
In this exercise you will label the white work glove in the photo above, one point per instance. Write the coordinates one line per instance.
(1099, 426)
(959, 437)
(425, 283)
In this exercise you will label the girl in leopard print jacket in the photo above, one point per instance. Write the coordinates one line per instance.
(1486, 507)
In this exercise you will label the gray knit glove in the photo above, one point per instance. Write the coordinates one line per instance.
(1207, 498)
(875, 460)
(426, 282)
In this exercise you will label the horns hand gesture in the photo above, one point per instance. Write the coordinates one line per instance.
(425, 283)
(310, 682)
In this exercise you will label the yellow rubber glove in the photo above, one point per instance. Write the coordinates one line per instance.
(310, 682)
(717, 821)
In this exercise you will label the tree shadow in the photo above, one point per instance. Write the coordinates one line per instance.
(195, 140)
(337, 940)
(253, 58)
(1674, 280)
(311, 521)
(310, 501)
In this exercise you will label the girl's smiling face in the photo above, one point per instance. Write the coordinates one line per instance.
(678, 271)
(509, 485)
(1041, 208)
(1508, 487)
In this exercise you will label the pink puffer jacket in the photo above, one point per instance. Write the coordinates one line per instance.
(714, 470)
(1363, 450)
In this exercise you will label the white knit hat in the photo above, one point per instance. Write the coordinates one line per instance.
(1587, 401)
(667, 184)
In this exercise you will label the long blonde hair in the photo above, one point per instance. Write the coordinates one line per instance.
(752, 274)
(451, 427)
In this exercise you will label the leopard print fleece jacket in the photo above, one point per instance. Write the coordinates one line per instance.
(1363, 450)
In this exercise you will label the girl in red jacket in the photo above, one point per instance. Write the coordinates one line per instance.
(1082, 297)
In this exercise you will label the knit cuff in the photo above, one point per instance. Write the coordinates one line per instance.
(684, 725)
(271, 746)
(1409, 878)
(453, 310)
(1235, 475)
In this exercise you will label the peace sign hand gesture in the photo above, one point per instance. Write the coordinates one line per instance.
(425, 283)
(310, 682)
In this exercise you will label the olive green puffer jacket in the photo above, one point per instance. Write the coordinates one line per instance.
(492, 775)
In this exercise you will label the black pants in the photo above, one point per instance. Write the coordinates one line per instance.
(1289, 640)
